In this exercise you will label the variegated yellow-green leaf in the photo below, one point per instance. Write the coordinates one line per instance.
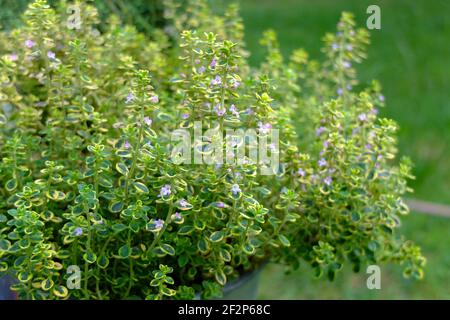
(11, 185)
(140, 187)
(47, 284)
(55, 195)
(122, 168)
(60, 291)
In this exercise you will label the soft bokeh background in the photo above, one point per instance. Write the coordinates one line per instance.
(410, 56)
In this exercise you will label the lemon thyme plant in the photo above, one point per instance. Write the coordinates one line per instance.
(89, 180)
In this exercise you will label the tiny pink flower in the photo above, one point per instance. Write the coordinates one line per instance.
(216, 81)
(51, 55)
(130, 98)
(148, 121)
(322, 162)
(201, 69)
(154, 99)
(29, 43)
(320, 130)
(213, 63)
(362, 117)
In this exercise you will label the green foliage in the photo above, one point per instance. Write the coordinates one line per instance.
(89, 179)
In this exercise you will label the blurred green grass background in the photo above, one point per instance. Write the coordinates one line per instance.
(410, 58)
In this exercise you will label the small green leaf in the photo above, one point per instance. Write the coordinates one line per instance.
(167, 292)
(47, 284)
(3, 266)
(102, 262)
(55, 195)
(116, 206)
(4, 245)
(124, 251)
(216, 236)
(168, 249)
(284, 241)
(60, 291)
(203, 245)
(199, 224)
(248, 248)
(90, 257)
(3, 119)
(140, 187)
(11, 185)
(373, 245)
(105, 182)
(25, 276)
(119, 227)
(220, 277)
(123, 153)
(122, 168)
(225, 255)
(185, 230)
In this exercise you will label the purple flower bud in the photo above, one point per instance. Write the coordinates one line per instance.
(127, 145)
(346, 64)
(213, 63)
(29, 43)
(234, 111)
(183, 203)
(368, 146)
(235, 84)
(272, 147)
(220, 204)
(154, 99)
(51, 55)
(13, 57)
(301, 172)
(158, 224)
(184, 116)
(235, 189)
(320, 130)
(339, 91)
(349, 47)
(216, 81)
(362, 117)
(78, 232)
(148, 121)
(381, 97)
(201, 69)
(335, 46)
(130, 98)
(264, 127)
(178, 216)
(219, 110)
(328, 180)
(165, 191)
(322, 162)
